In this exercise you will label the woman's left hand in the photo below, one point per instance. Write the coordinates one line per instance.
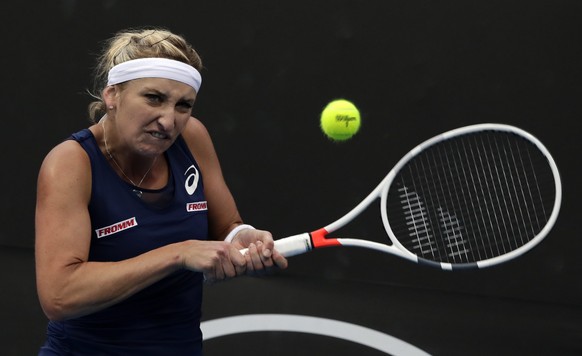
(261, 254)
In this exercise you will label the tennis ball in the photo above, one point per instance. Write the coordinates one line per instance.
(340, 120)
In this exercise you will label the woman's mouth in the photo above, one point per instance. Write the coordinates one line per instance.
(159, 135)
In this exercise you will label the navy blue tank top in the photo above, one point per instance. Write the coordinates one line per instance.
(127, 221)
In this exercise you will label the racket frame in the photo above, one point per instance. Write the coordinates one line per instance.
(297, 244)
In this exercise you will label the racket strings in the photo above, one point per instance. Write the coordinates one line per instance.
(471, 198)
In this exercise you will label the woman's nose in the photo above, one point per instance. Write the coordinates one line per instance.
(167, 119)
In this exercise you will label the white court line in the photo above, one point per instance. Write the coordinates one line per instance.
(311, 325)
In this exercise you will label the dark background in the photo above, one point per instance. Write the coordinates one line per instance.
(415, 68)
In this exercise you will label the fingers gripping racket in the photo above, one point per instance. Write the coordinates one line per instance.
(472, 197)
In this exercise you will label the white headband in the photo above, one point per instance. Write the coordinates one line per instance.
(155, 68)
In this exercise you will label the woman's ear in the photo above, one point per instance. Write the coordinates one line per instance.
(110, 96)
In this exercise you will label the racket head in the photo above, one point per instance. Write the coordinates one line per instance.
(472, 197)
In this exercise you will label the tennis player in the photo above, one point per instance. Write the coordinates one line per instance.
(133, 213)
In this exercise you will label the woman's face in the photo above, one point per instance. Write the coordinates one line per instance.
(150, 113)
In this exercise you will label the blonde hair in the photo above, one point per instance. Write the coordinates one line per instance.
(133, 44)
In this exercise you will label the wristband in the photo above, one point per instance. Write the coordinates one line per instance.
(235, 231)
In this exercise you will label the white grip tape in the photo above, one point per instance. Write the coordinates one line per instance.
(292, 245)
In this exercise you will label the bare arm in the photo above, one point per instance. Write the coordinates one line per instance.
(223, 213)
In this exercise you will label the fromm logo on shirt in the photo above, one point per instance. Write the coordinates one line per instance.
(197, 206)
(117, 227)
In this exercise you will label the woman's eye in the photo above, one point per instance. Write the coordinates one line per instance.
(154, 98)
(185, 105)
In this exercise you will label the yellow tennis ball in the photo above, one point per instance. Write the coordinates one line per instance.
(340, 120)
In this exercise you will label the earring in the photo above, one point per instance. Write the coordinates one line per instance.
(110, 107)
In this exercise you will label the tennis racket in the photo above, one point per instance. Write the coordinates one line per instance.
(472, 197)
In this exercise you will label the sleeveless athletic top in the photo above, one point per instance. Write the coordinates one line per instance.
(163, 319)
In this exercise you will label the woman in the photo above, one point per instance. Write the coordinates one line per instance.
(133, 213)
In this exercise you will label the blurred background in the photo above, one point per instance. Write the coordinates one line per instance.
(414, 68)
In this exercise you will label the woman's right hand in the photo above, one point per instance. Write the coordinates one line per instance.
(217, 260)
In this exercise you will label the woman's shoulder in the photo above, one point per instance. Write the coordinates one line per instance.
(66, 158)
(65, 173)
(200, 144)
(197, 137)
(194, 128)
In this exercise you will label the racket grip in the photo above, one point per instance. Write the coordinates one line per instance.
(292, 245)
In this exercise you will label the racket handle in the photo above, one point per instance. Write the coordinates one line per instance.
(292, 245)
